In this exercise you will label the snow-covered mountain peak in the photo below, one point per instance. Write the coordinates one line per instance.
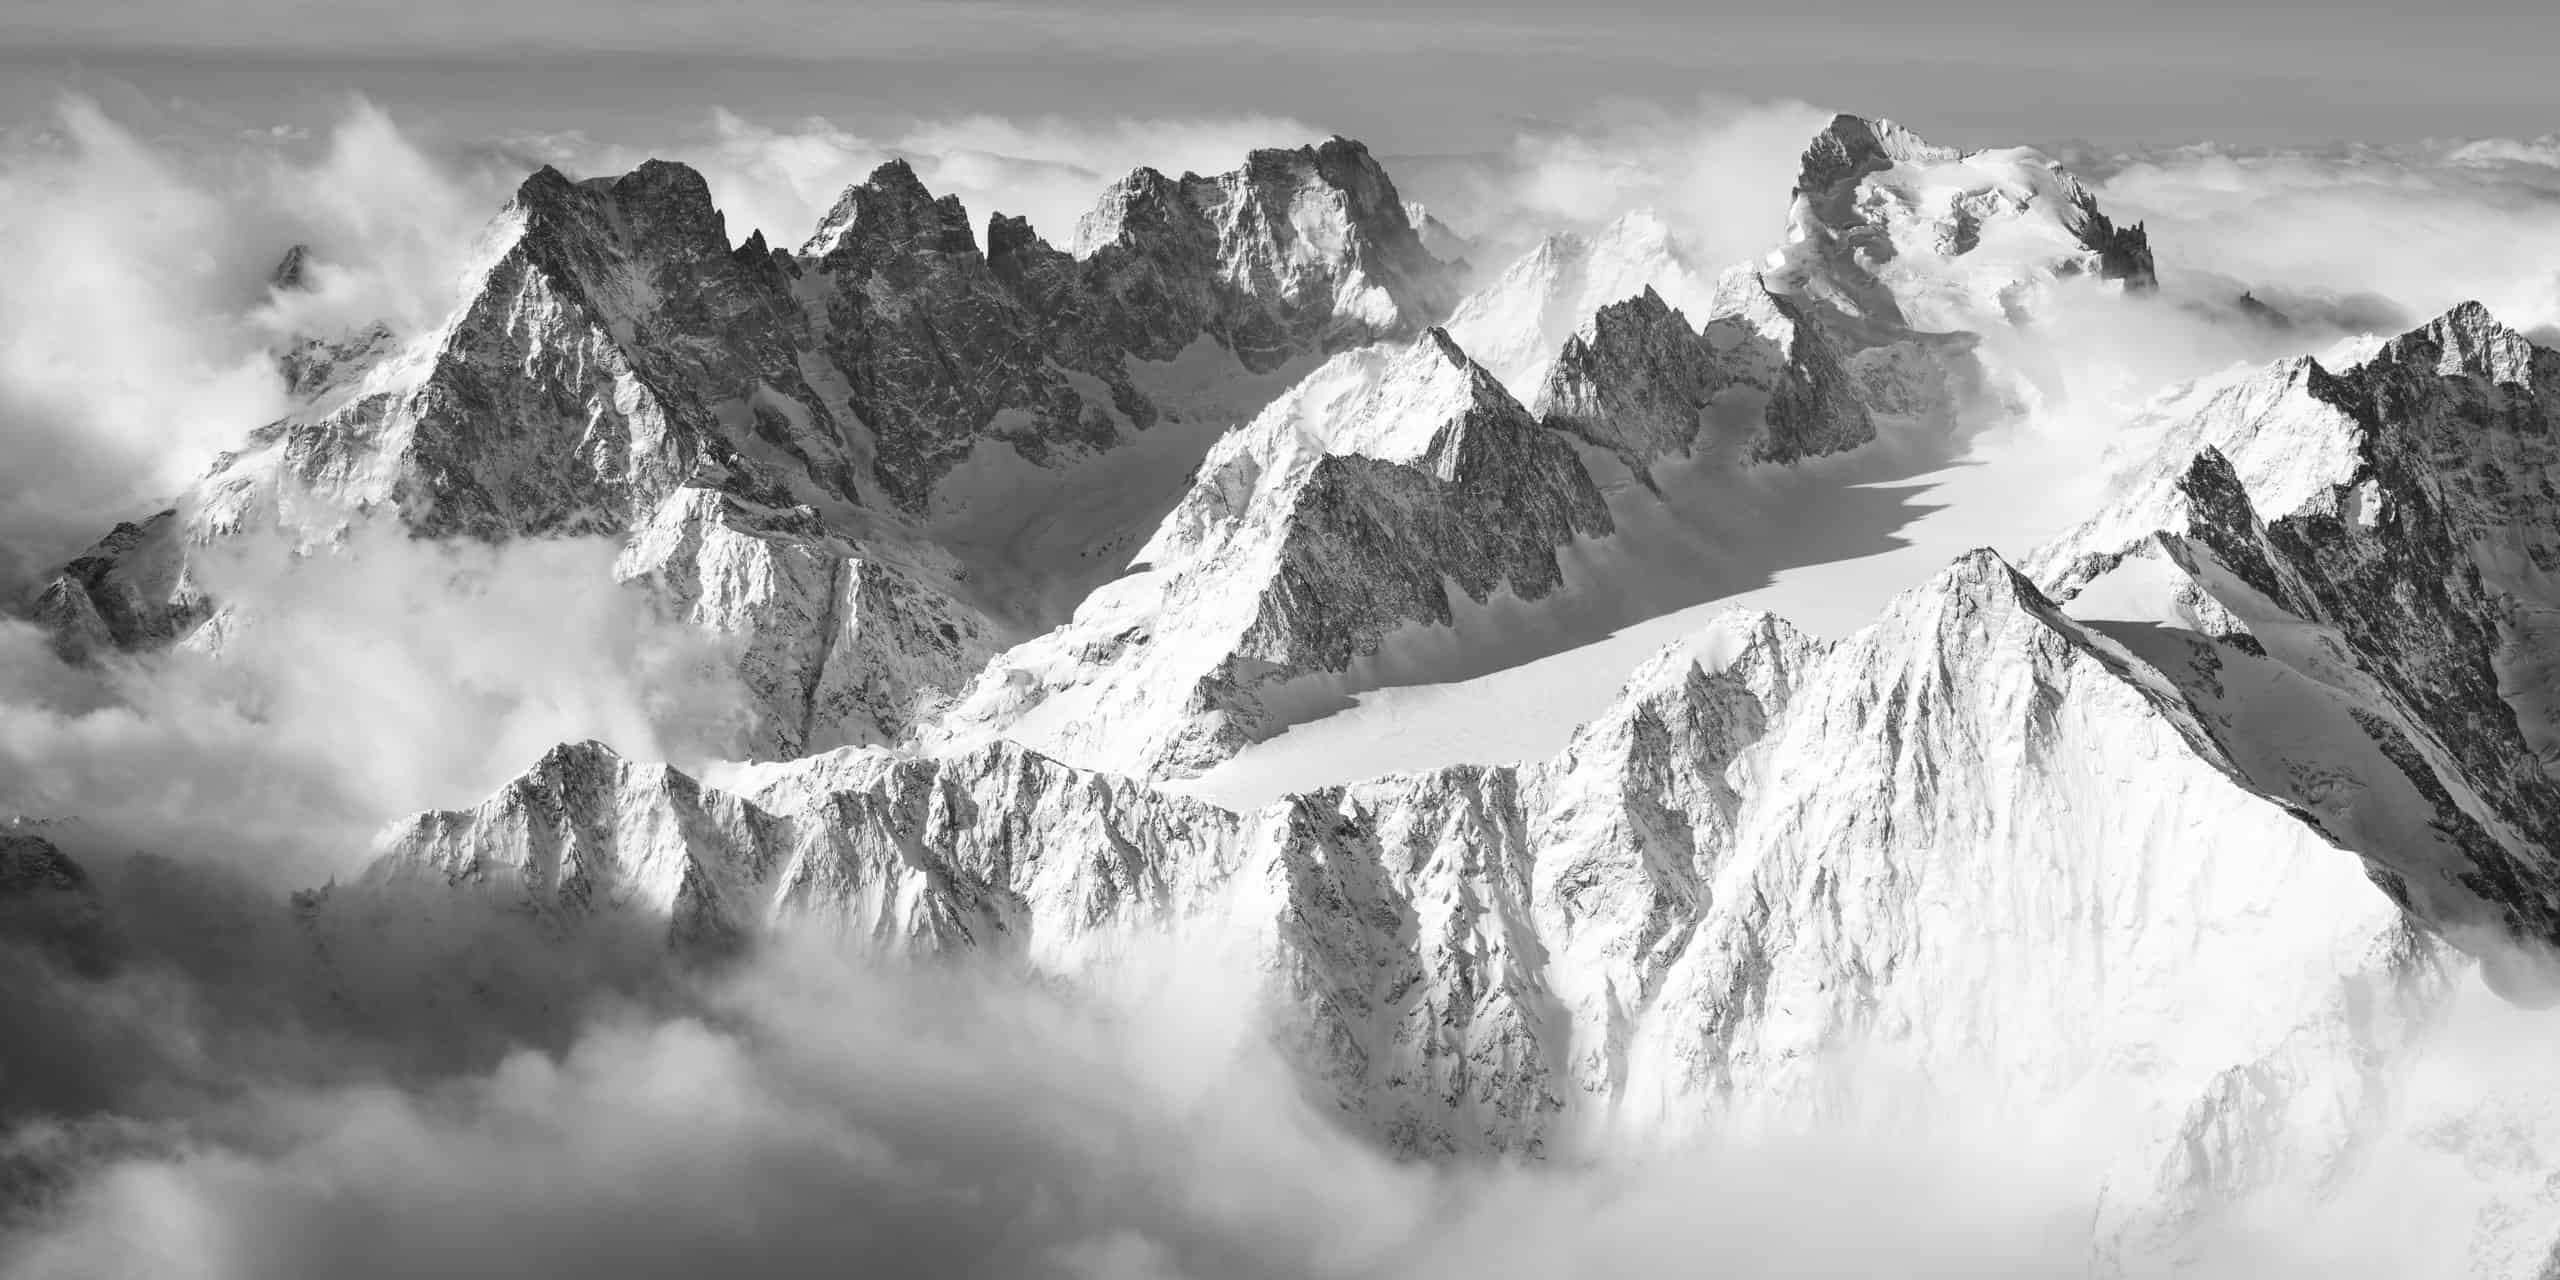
(1410, 404)
(1144, 203)
(1851, 147)
(291, 270)
(1906, 253)
(1515, 324)
(1892, 229)
(2298, 436)
(1385, 488)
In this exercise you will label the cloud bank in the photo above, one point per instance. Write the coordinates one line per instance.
(2419, 227)
(1719, 171)
(352, 686)
(812, 1114)
(136, 321)
(240, 1095)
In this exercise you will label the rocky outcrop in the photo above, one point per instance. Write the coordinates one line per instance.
(1517, 323)
(292, 271)
(317, 365)
(130, 591)
(47, 901)
(1298, 250)
(937, 352)
(2124, 253)
(1643, 384)
(1770, 345)
(835, 647)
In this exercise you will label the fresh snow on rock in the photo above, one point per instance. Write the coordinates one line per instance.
(1361, 503)
(2350, 571)
(1958, 845)
(870, 463)
(1906, 252)
(1200, 581)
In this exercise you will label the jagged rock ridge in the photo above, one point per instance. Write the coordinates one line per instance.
(617, 366)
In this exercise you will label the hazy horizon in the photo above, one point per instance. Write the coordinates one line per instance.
(1432, 78)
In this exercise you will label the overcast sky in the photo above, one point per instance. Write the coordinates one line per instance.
(1419, 76)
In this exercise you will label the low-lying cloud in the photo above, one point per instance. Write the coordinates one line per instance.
(352, 685)
(278, 1099)
(2421, 227)
(136, 319)
(1719, 171)
(813, 1114)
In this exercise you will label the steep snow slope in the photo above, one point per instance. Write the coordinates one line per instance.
(1362, 502)
(2350, 571)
